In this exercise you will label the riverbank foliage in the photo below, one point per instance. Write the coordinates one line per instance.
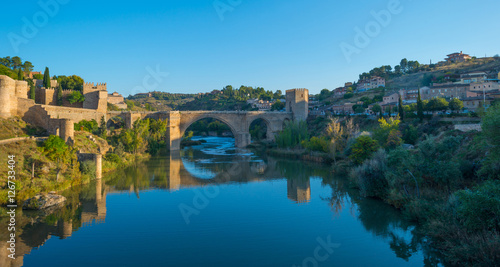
(49, 164)
(446, 180)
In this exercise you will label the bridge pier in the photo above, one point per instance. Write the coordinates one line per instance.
(242, 139)
(174, 135)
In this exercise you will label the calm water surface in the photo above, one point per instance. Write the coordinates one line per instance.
(214, 205)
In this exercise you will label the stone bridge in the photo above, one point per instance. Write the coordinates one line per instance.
(60, 120)
(238, 121)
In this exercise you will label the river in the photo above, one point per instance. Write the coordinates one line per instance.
(214, 205)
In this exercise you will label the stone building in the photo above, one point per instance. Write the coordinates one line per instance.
(297, 102)
(448, 90)
(117, 100)
(457, 57)
(372, 83)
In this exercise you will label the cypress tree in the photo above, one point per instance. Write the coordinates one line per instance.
(420, 107)
(46, 78)
(20, 74)
(401, 109)
(59, 96)
(32, 92)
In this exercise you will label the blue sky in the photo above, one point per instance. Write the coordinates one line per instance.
(279, 44)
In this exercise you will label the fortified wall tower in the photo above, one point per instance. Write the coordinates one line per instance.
(96, 96)
(297, 102)
(10, 91)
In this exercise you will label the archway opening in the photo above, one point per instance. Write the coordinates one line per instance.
(204, 128)
(258, 130)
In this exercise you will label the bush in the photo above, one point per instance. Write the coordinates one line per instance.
(56, 149)
(370, 177)
(111, 157)
(479, 209)
(89, 126)
(88, 167)
(319, 144)
(362, 149)
(348, 95)
(292, 135)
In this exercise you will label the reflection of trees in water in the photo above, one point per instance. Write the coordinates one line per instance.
(381, 220)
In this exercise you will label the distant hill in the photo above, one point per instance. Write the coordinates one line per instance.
(489, 65)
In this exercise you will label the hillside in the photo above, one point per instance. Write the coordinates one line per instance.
(414, 80)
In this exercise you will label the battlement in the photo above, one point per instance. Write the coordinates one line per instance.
(91, 87)
(297, 90)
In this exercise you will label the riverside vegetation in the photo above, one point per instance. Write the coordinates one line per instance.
(448, 181)
(49, 164)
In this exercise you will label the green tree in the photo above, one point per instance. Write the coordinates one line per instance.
(28, 67)
(20, 74)
(437, 104)
(479, 208)
(491, 130)
(59, 96)
(55, 148)
(72, 82)
(278, 105)
(31, 84)
(103, 129)
(404, 65)
(376, 108)
(75, 97)
(16, 63)
(455, 104)
(385, 128)
(46, 78)
(401, 110)
(362, 149)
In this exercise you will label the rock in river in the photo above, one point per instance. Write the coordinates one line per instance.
(43, 201)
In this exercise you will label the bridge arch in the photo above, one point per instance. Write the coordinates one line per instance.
(185, 125)
(269, 131)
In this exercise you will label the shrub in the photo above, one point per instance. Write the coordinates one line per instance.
(55, 149)
(362, 149)
(394, 139)
(111, 157)
(410, 135)
(319, 144)
(370, 177)
(88, 167)
(76, 97)
(292, 135)
(479, 209)
(90, 126)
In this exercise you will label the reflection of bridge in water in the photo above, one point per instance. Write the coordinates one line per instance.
(240, 171)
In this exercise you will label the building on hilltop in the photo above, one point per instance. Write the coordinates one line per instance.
(117, 100)
(372, 83)
(448, 90)
(457, 57)
(260, 104)
(473, 77)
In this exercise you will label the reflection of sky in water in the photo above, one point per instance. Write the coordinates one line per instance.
(216, 150)
(196, 171)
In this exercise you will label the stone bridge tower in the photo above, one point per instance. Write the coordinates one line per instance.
(297, 102)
